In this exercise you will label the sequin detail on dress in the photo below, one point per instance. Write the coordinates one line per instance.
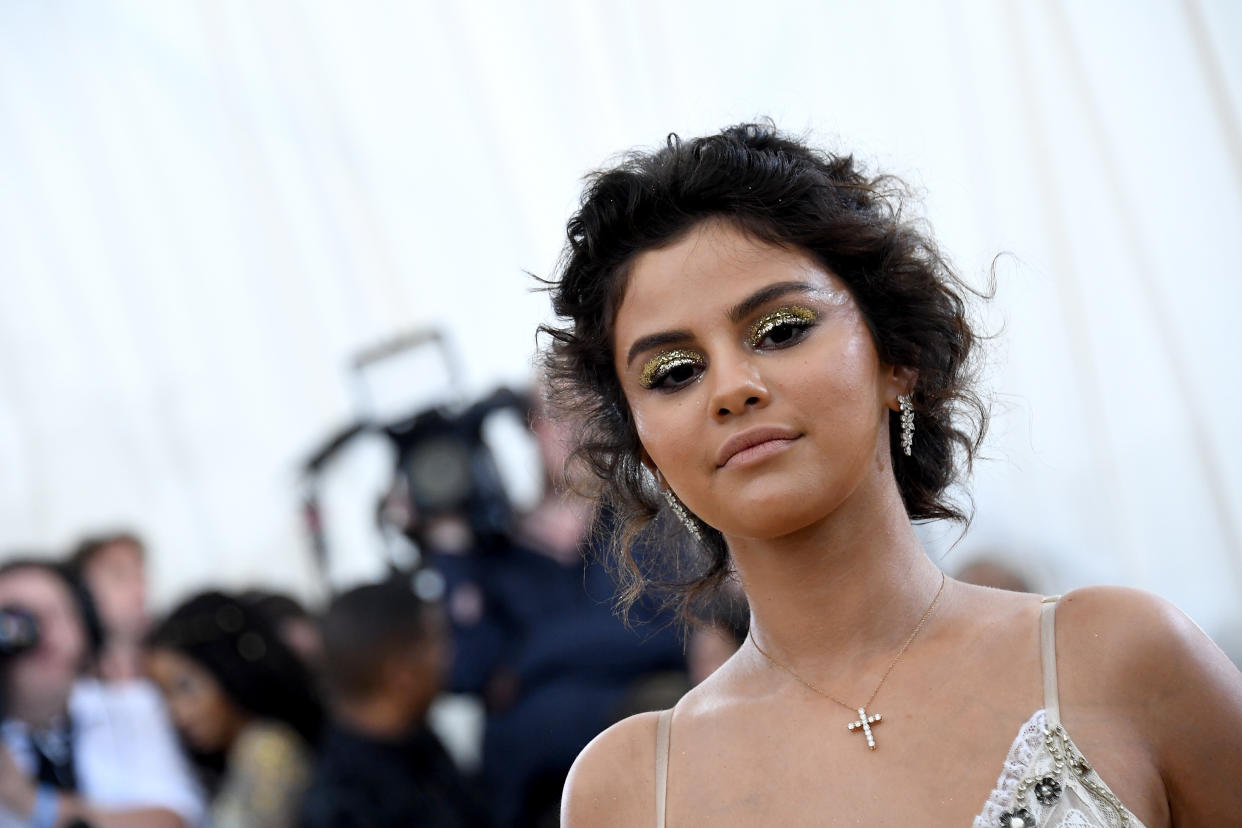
(1044, 760)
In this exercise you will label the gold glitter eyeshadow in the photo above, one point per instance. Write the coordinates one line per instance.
(793, 315)
(658, 367)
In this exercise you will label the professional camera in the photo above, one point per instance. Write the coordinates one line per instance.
(449, 468)
(445, 478)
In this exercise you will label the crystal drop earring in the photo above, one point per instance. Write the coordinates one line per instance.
(684, 516)
(907, 423)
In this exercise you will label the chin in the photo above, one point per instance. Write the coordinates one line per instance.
(200, 744)
(767, 518)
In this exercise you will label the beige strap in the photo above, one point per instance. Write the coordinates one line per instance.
(663, 725)
(1048, 653)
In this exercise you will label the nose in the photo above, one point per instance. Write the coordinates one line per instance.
(738, 386)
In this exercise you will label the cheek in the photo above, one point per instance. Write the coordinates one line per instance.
(665, 431)
(847, 395)
(68, 642)
(200, 716)
(112, 603)
(180, 708)
(183, 710)
(854, 360)
(208, 698)
(189, 702)
(212, 713)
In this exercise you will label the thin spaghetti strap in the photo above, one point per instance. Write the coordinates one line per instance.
(1048, 655)
(663, 725)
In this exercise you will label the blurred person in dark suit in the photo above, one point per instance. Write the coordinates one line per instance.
(244, 704)
(536, 637)
(385, 655)
(76, 751)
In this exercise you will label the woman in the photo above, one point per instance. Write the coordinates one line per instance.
(768, 353)
(243, 705)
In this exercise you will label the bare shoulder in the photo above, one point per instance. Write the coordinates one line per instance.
(1135, 654)
(612, 782)
(1134, 634)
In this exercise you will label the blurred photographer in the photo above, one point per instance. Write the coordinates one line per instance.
(74, 751)
(536, 638)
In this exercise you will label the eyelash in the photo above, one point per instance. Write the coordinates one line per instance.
(658, 369)
(796, 317)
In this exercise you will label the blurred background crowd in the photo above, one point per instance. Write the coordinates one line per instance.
(246, 708)
(283, 533)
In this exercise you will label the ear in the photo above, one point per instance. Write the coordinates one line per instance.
(899, 379)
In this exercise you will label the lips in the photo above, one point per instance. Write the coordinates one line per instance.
(754, 443)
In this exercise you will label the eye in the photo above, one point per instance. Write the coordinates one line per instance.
(781, 328)
(671, 370)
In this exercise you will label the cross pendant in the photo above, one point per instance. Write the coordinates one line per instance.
(864, 723)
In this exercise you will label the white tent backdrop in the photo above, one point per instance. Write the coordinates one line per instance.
(206, 208)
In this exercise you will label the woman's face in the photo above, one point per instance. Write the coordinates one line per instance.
(753, 381)
(206, 718)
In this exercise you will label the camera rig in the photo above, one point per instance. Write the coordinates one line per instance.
(445, 468)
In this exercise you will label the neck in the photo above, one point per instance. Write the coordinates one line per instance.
(845, 591)
(120, 661)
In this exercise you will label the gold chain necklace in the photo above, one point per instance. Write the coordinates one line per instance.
(865, 720)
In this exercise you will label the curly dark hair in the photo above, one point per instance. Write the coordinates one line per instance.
(241, 649)
(783, 192)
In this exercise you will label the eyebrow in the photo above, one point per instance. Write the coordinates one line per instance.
(736, 314)
(762, 296)
(646, 343)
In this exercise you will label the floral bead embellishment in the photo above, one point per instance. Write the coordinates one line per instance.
(1019, 818)
(1047, 790)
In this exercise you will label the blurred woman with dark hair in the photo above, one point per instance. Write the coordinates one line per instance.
(244, 705)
